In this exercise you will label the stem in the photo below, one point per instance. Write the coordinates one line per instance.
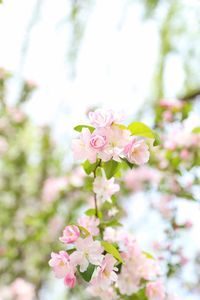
(95, 195)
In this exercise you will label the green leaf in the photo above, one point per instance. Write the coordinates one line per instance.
(128, 163)
(196, 130)
(112, 223)
(148, 255)
(140, 129)
(87, 275)
(112, 250)
(80, 127)
(92, 212)
(110, 167)
(88, 167)
(84, 231)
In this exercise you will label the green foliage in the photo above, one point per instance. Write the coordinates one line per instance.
(196, 130)
(92, 212)
(109, 248)
(87, 275)
(140, 129)
(80, 127)
(110, 167)
(89, 168)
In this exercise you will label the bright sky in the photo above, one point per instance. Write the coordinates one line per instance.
(115, 63)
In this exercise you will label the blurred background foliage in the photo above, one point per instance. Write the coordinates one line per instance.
(40, 192)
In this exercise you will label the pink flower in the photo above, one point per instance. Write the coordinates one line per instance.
(117, 139)
(106, 272)
(185, 154)
(101, 118)
(155, 290)
(97, 291)
(82, 147)
(60, 263)
(97, 141)
(70, 280)
(105, 188)
(171, 104)
(88, 251)
(144, 174)
(22, 290)
(63, 268)
(52, 186)
(70, 234)
(137, 152)
(89, 223)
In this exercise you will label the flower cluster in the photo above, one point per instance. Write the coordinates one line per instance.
(108, 140)
(108, 259)
(111, 274)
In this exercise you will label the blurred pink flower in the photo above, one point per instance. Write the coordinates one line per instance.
(22, 290)
(136, 178)
(52, 186)
(70, 234)
(3, 145)
(155, 290)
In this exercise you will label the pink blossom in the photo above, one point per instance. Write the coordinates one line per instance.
(168, 116)
(155, 290)
(97, 141)
(101, 118)
(90, 223)
(54, 226)
(22, 290)
(88, 251)
(105, 188)
(82, 147)
(137, 152)
(106, 272)
(60, 263)
(117, 139)
(52, 186)
(171, 104)
(70, 234)
(136, 178)
(185, 154)
(3, 145)
(70, 280)
(106, 294)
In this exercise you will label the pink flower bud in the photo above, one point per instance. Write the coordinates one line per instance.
(70, 280)
(70, 234)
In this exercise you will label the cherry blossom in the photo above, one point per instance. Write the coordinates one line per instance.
(106, 272)
(87, 251)
(155, 290)
(137, 152)
(70, 234)
(105, 188)
(90, 223)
